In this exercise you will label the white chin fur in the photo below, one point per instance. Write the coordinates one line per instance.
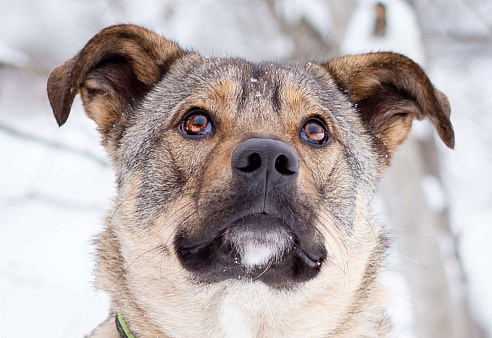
(254, 254)
(256, 250)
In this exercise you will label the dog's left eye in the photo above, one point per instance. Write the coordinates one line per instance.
(196, 123)
(314, 131)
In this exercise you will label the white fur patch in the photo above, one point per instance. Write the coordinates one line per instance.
(257, 254)
(256, 250)
(232, 323)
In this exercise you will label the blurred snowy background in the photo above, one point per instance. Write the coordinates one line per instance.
(55, 184)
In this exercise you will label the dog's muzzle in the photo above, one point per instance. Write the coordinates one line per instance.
(264, 233)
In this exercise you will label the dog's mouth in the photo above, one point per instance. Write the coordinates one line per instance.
(254, 247)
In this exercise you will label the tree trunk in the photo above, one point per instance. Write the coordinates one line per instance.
(420, 225)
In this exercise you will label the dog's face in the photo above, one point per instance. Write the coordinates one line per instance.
(260, 154)
(232, 173)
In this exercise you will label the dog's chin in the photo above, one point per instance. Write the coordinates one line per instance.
(256, 247)
(258, 241)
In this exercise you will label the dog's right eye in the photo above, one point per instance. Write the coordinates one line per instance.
(196, 122)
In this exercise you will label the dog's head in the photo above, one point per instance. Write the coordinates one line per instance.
(232, 170)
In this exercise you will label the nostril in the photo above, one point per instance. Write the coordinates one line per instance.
(284, 166)
(270, 162)
(253, 163)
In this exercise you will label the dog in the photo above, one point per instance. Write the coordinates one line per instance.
(243, 189)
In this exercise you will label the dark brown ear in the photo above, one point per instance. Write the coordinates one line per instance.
(390, 91)
(116, 68)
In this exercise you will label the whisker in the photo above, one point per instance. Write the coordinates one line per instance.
(342, 247)
(177, 226)
(110, 221)
(324, 218)
(125, 269)
(151, 258)
(270, 263)
(168, 219)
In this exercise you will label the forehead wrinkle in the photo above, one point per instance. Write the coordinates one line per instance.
(215, 82)
(318, 98)
(294, 97)
(256, 111)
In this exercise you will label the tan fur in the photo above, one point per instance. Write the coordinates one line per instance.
(139, 87)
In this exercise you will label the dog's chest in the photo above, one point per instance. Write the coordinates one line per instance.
(254, 312)
(234, 322)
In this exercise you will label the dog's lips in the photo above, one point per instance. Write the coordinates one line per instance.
(252, 235)
(258, 240)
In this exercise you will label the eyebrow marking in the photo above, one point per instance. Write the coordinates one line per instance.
(276, 102)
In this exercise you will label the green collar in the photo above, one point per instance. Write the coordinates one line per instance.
(122, 328)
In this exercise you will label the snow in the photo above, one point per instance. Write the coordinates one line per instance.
(51, 204)
(471, 19)
(400, 308)
(434, 193)
(9, 56)
(315, 12)
(55, 185)
(213, 33)
(403, 35)
(44, 273)
(467, 174)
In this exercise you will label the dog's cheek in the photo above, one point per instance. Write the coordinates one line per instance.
(336, 187)
(326, 192)
(144, 225)
(207, 166)
(165, 227)
(326, 175)
(163, 184)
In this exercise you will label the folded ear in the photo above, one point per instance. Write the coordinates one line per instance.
(389, 91)
(116, 68)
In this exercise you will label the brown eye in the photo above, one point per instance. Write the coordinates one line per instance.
(315, 131)
(196, 123)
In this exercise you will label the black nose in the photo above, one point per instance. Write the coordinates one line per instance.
(265, 161)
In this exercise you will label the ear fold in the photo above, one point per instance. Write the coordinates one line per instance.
(116, 68)
(390, 91)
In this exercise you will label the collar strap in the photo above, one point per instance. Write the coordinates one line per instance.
(122, 328)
